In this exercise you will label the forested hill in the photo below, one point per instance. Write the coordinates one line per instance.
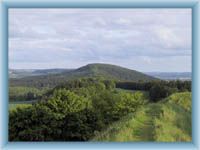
(111, 72)
(105, 71)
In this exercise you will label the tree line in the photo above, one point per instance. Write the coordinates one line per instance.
(21, 93)
(157, 89)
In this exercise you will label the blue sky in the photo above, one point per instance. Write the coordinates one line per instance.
(140, 39)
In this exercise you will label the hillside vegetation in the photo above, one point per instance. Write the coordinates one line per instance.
(73, 114)
(103, 71)
(94, 109)
(98, 102)
(20, 93)
(167, 121)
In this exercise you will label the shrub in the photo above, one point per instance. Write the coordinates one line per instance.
(158, 92)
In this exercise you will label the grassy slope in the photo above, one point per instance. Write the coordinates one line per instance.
(14, 106)
(168, 121)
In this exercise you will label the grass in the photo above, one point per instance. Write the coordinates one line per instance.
(168, 121)
(174, 124)
(182, 99)
(138, 127)
(14, 106)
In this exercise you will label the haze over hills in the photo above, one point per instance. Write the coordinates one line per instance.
(58, 76)
(171, 75)
(21, 73)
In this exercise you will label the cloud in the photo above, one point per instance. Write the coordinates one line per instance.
(74, 37)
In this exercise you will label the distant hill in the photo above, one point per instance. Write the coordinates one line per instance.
(171, 75)
(21, 73)
(105, 71)
(111, 72)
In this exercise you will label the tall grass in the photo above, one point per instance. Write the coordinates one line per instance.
(138, 127)
(183, 99)
(169, 121)
(174, 124)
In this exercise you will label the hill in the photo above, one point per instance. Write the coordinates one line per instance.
(21, 73)
(111, 72)
(169, 121)
(171, 75)
(105, 71)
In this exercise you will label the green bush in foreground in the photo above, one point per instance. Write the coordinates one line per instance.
(94, 109)
(67, 116)
(45, 120)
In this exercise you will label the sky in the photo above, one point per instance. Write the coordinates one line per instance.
(147, 40)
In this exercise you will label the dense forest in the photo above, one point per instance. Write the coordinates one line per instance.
(100, 108)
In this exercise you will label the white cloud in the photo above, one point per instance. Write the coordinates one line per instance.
(74, 37)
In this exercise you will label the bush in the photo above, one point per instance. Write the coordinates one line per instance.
(158, 92)
(81, 126)
(45, 120)
(112, 106)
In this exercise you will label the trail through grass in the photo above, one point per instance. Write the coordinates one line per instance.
(144, 123)
(138, 128)
(165, 122)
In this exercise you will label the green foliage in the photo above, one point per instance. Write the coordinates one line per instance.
(157, 89)
(79, 110)
(25, 93)
(113, 105)
(45, 120)
(73, 111)
(174, 124)
(102, 71)
(134, 127)
(81, 126)
(162, 122)
(146, 86)
(109, 84)
(14, 106)
(86, 87)
(158, 92)
(64, 101)
(182, 99)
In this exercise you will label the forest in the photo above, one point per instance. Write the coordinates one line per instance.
(98, 108)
